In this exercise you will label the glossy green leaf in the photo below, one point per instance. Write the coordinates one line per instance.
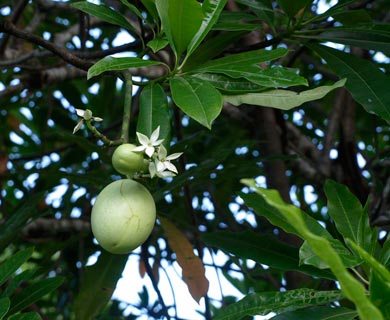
(291, 8)
(367, 84)
(150, 5)
(104, 13)
(266, 302)
(363, 37)
(230, 85)
(241, 59)
(263, 208)
(308, 256)
(262, 249)
(351, 288)
(4, 306)
(282, 99)
(34, 292)
(100, 280)
(154, 112)
(114, 64)
(133, 9)
(157, 44)
(318, 313)
(211, 10)
(380, 293)
(17, 281)
(379, 268)
(181, 20)
(25, 316)
(348, 214)
(13, 263)
(197, 98)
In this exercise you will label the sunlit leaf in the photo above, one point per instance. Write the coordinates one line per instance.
(114, 64)
(282, 99)
(265, 302)
(197, 98)
(193, 271)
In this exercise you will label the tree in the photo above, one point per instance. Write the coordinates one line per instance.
(275, 115)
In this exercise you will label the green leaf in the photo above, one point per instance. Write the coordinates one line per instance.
(262, 249)
(104, 13)
(367, 84)
(17, 280)
(364, 37)
(33, 293)
(263, 208)
(13, 263)
(379, 268)
(282, 99)
(98, 285)
(211, 10)
(180, 19)
(318, 313)
(4, 306)
(157, 44)
(353, 17)
(266, 302)
(133, 9)
(25, 316)
(351, 288)
(229, 85)
(308, 256)
(197, 98)
(380, 293)
(154, 112)
(150, 5)
(348, 214)
(254, 57)
(291, 8)
(111, 63)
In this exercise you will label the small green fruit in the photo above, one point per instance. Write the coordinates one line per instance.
(126, 161)
(123, 216)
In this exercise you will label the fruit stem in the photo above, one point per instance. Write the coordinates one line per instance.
(127, 106)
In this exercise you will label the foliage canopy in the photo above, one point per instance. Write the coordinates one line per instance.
(264, 131)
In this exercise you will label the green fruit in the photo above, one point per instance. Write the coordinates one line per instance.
(123, 216)
(126, 161)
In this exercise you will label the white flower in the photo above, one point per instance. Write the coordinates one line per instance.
(148, 145)
(156, 170)
(86, 115)
(162, 166)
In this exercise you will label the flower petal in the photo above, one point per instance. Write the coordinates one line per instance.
(144, 140)
(149, 151)
(165, 174)
(152, 169)
(174, 156)
(139, 148)
(97, 119)
(155, 135)
(162, 152)
(80, 112)
(160, 166)
(78, 126)
(170, 167)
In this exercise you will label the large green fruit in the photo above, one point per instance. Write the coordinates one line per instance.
(123, 216)
(126, 161)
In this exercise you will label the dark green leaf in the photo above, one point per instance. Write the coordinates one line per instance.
(111, 63)
(13, 263)
(4, 306)
(367, 84)
(98, 285)
(353, 18)
(318, 313)
(229, 85)
(266, 302)
(380, 293)
(363, 37)
(293, 7)
(33, 293)
(25, 316)
(211, 10)
(157, 44)
(18, 280)
(133, 9)
(104, 13)
(348, 214)
(197, 98)
(282, 99)
(154, 112)
(307, 255)
(262, 249)
(241, 59)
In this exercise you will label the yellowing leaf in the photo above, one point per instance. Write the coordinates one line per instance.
(193, 271)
